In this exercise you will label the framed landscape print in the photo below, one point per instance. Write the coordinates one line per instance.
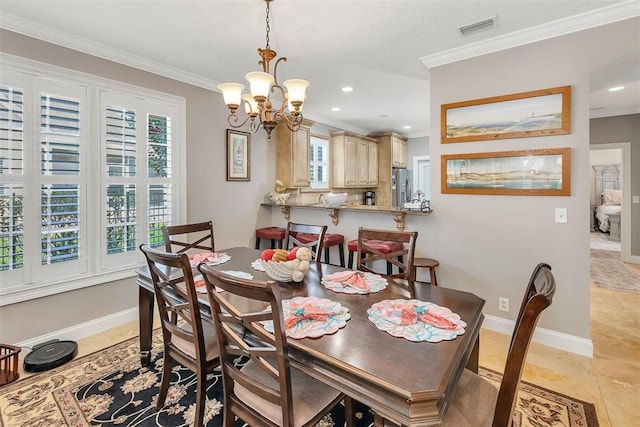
(238, 156)
(520, 115)
(544, 172)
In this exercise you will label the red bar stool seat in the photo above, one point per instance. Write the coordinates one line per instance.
(328, 242)
(429, 263)
(381, 245)
(272, 233)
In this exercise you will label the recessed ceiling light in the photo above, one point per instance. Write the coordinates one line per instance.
(616, 88)
(407, 127)
(347, 89)
(335, 109)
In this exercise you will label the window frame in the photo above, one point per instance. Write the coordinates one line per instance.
(312, 145)
(93, 178)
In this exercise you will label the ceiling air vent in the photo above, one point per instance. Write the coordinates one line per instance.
(485, 24)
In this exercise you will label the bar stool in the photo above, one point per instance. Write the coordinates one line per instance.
(328, 242)
(272, 233)
(381, 245)
(429, 263)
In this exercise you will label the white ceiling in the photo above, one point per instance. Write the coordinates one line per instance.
(380, 47)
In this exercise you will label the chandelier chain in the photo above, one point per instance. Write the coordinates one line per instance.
(268, 28)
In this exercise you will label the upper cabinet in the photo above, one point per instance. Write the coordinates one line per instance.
(398, 151)
(354, 160)
(292, 158)
(392, 153)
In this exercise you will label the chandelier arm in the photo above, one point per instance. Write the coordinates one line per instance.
(275, 68)
(292, 121)
(233, 120)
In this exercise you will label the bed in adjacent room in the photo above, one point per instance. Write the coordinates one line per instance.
(610, 204)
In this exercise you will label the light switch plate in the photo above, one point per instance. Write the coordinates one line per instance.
(635, 199)
(561, 215)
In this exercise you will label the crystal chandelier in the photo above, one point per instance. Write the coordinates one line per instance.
(257, 105)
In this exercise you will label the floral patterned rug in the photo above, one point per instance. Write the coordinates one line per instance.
(109, 388)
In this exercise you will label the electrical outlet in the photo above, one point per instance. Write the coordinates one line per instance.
(561, 215)
(503, 304)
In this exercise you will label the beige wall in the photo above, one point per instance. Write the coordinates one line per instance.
(489, 243)
(623, 129)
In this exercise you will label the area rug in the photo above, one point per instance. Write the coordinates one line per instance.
(612, 274)
(109, 388)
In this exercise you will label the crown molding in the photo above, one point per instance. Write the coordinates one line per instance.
(48, 34)
(606, 15)
(597, 114)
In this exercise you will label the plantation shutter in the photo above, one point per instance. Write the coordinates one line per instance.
(60, 198)
(139, 179)
(11, 177)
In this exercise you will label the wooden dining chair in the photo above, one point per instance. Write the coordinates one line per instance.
(266, 391)
(477, 402)
(200, 233)
(395, 248)
(291, 237)
(187, 338)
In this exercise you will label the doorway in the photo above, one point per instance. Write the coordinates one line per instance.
(608, 153)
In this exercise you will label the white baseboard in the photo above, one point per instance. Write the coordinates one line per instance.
(86, 329)
(565, 342)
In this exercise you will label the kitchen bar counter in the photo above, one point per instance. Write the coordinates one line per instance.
(334, 212)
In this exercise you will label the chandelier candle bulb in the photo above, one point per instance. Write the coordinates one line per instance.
(231, 93)
(260, 83)
(296, 89)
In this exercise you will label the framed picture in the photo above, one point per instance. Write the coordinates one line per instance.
(544, 172)
(238, 156)
(520, 115)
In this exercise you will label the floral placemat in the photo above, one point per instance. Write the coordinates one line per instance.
(201, 287)
(210, 258)
(354, 282)
(311, 317)
(416, 320)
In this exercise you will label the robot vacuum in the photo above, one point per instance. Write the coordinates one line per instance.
(49, 355)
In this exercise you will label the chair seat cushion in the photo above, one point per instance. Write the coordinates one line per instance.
(210, 342)
(310, 396)
(381, 245)
(473, 404)
(273, 233)
(328, 241)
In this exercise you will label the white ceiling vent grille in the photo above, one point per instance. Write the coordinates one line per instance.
(485, 24)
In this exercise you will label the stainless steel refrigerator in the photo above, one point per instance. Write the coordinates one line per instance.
(401, 189)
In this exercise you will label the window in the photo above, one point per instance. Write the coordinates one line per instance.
(422, 175)
(319, 162)
(76, 201)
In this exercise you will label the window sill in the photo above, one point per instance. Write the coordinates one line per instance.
(28, 292)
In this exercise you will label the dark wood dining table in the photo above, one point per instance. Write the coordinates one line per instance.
(407, 383)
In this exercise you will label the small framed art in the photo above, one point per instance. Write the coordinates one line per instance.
(238, 156)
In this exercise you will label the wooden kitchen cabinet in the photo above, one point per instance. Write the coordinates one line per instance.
(398, 151)
(292, 155)
(354, 160)
(392, 153)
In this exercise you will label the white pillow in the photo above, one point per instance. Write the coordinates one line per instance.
(611, 197)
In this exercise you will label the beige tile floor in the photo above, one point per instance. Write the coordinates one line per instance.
(611, 380)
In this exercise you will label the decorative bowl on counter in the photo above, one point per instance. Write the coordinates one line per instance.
(333, 200)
